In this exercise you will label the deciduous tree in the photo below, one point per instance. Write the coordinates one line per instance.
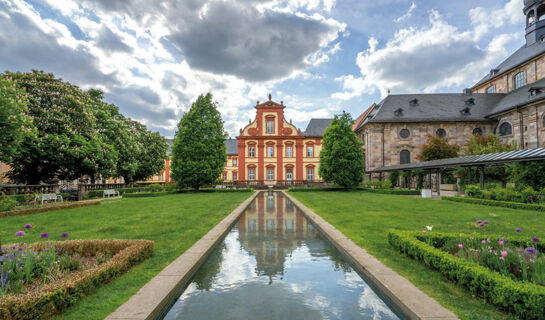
(437, 147)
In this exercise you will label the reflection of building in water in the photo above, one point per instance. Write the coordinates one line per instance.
(271, 229)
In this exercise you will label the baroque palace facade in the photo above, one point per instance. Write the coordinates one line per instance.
(508, 101)
(271, 150)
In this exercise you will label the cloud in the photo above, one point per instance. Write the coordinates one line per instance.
(111, 42)
(407, 15)
(424, 59)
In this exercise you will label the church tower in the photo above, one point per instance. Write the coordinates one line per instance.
(534, 10)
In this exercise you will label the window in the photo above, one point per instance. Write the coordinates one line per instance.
(235, 176)
(270, 126)
(405, 157)
(251, 174)
(234, 162)
(506, 129)
(289, 151)
(310, 174)
(225, 176)
(310, 151)
(270, 174)
(251, 151)
(441, 132)
(478, 131)
(289, 174)
(491, 89)
(404, 133)
(520, 79)
(270, 151)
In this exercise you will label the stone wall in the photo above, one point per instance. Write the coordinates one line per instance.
(528, 126)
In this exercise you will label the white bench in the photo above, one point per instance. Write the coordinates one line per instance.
(48, 197)
(110, 192)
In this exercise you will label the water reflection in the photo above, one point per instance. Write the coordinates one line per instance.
(274, 264)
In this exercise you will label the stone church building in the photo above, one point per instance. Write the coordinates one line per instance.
(508, 101)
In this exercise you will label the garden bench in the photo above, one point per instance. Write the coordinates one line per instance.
(110, 192)
(48, 197)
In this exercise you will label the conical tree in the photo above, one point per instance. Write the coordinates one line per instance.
(199, 152)
(341, 160)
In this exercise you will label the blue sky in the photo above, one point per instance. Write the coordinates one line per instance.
(153, 58)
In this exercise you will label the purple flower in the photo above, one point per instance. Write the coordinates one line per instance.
(482, 224)
(479, 221)
(535, 239)
(64, 235)
(538, 197)
(485, 221)
(461, 246)
(530, 250)
(28, 226)
(518, 230)
(20, 233)
(531, 197)
(44, 235)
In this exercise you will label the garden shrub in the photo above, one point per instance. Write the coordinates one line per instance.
(155, 187)
(59, 295)
(148, 194)
(392, 191)
(524, 299)
(496, 203)
(30, 210)
(393, 178)
(474, 191)
(7, 203)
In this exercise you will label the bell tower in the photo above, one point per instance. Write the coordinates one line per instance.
(534, 10)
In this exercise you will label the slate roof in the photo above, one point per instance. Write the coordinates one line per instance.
(434, 107)
(520, 56)
(232, 146)
(520, 97)
(316, 127)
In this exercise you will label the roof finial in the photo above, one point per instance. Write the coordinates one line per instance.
(257, 102)
(270, 97)
(388, 91)
(282, 102)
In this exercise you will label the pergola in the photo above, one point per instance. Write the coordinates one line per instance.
(480, 161)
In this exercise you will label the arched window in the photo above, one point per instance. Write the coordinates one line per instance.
(540, 12)
(441, 132)
(404, 157)
(530, 18)
(506, 129)
(478, 131)
(404, 133)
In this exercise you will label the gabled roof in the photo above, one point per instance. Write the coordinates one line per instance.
(520, 56)
(232, 146)
(316, 127)
(361, 117)
(440, 107)
(520, 97)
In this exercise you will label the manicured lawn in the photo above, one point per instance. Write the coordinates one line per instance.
(173, 222)
(366, 217)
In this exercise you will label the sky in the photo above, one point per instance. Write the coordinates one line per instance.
(152, 58)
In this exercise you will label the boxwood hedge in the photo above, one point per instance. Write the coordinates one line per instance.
(497, 203)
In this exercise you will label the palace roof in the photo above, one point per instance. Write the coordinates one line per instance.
(232, 147)
(316, 127)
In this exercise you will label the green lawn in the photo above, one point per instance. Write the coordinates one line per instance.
(173, 222)
(366, 217)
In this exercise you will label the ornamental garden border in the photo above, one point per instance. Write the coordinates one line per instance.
(497, 203)
(524, 299)
(59, 295)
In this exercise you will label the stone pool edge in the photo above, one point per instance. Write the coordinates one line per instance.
(411, 301)
(149, 302)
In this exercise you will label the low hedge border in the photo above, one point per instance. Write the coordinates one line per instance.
(148, 194)
(70, 205)
(382, 191)
(524, 299)
(497, 203)
(59, 295)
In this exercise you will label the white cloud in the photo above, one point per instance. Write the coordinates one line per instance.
(407, 15)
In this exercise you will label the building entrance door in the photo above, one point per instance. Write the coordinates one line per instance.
(289, 175)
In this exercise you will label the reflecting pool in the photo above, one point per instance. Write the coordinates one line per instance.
(274, 264)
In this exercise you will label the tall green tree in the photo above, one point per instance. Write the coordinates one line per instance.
(15, 122)
(199, 152)
(342, 159)
(66, 144)
(437, 147)
(153, 152)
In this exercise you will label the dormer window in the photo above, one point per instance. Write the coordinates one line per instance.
(491, 89)
(398, 112)
(534, 91)
(413, 102)
(520, 79)
(493, 72)
(270, 126)
(470, 102)
(466, 111)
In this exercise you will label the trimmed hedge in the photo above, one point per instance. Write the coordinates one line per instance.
(148, 194)
(56, 296)
(524, 299)
(310, 189)
(144, 190)
(51, 208)
(404, 192)
(497, 203)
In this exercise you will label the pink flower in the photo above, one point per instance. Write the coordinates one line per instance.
(503, 253)
(460, 245)
(424, 231)
(483, 242)
(501, 258)
(500, 242)
(488, 240)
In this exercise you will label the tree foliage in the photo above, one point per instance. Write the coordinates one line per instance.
(437, 147)
(199, 152)
(15, 123)
(490, 143)
(342, 159)
(530, 173)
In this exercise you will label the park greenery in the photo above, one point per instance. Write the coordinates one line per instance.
(199, 151)
(438, 147)
(342, 159)
(60, 132)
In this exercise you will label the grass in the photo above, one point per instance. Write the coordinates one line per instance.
(173, 222)
(366, 218)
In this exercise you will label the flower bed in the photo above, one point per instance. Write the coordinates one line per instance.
(43, 299)
(497, 203)
(49, 207)
(468, 261)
